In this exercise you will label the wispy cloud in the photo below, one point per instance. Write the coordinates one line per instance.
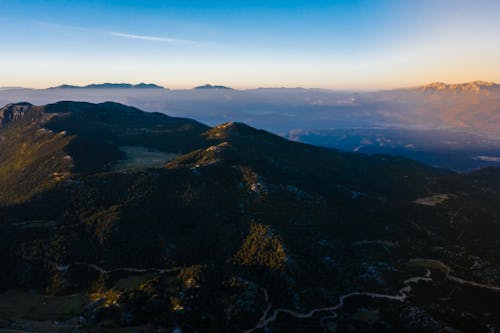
(119, 34)
(153, 38)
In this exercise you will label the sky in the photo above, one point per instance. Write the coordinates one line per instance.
(356, 44)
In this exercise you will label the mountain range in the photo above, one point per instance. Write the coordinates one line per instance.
(463, 118)
(471, 87)
(115, 219)
(111, 86)
(209, 86)
(469, 107)
(120, 86)
(434, 87)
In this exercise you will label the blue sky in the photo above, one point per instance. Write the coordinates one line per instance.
(328, 44)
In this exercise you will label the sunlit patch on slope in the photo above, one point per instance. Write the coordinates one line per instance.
(432, 200)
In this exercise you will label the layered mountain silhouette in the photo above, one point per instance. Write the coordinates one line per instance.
(133, 220)
(111, 86)
(209, 86)
(470, 108)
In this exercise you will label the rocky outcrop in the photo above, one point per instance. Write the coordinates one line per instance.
(12, 112)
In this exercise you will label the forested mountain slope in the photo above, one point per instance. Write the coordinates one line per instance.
(230, 229)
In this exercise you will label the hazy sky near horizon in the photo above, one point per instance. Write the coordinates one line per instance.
(326, 44)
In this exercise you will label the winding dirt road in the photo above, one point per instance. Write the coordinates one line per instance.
(456, 279)
(63, 268)
(401, 296)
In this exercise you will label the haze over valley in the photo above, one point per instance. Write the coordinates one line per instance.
(455, 126)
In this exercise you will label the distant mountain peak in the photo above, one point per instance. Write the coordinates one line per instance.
(475, 86)
(111, 86)
(209, 86)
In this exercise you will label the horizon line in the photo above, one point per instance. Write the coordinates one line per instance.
(6, 87)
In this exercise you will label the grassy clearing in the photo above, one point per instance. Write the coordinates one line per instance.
(16, 304)
(142, 157)
(132, 282)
